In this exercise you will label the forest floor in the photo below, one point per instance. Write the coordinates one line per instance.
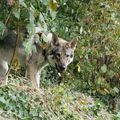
(20, 101)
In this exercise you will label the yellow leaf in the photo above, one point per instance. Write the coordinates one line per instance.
(53, 4)
(78, 67)
(15, 64)
(83, 101)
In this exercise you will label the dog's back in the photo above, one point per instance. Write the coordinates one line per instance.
(7, 45)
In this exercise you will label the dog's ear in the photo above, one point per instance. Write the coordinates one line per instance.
(72, 44)
(55, 40)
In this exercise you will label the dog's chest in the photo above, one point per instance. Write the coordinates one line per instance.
(37, 59)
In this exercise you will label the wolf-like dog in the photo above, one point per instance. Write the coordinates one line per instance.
(58, 53)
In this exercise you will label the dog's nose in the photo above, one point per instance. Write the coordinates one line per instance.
(62, 67)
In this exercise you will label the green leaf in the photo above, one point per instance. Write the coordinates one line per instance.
(2, 99)
(53, 14)
(22, 3)
(118, 115)
(16, 13)
(31, 18)
(116, 90)
(43, 23)
(104, 68)
(2, 26)
(44, 2)
(34, 112)
(81, 29)
(31, 28)
(41, 17)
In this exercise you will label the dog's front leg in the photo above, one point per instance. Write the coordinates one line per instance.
(3, 71)
(37, 76)
(34, 76)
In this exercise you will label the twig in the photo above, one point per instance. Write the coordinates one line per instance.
(6, 21)
(14, 52)
(16, 44)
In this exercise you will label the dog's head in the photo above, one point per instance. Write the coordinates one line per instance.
(61, 52)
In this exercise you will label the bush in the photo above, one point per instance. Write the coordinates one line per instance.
(94, 24)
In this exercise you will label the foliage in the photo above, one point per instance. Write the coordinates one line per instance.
(96, 67)
(95, 70)
(53, 103)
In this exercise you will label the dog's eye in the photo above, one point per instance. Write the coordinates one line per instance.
(67, 55)
(71, 56)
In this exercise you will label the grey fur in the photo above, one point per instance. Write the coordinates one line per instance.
(36, 62)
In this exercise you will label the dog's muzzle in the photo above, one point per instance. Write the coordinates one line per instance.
(61, 67)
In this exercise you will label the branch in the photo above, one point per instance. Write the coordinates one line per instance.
(14, 52)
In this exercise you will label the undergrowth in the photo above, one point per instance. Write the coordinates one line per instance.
(20, 101)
